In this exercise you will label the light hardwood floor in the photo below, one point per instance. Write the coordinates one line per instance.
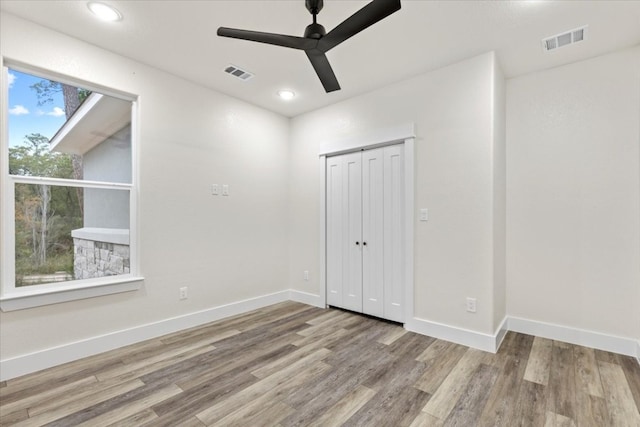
(295, 365)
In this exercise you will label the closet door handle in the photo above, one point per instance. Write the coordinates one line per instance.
(357, 243)
(364, 243)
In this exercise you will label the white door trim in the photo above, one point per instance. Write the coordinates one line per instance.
(402, 134)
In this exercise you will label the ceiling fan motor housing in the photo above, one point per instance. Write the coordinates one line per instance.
(314, 31)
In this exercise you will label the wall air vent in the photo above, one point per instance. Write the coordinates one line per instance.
(238, 72)
(564, 39)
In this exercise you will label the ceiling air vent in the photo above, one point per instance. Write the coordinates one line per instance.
(564, 39)
(238, 72)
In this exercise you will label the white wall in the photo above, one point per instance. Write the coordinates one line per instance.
(226, 249)
(499, 198)
(453, 112)
(573, 195)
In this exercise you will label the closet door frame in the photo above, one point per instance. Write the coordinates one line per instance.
(402, 134)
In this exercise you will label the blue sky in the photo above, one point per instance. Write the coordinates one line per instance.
(25, 115)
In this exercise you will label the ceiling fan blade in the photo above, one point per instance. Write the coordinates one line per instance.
(269, 38)
(365, 17)
(323, 70)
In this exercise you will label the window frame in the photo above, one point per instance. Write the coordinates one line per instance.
(16, 298)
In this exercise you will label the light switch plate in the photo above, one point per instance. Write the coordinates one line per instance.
(215, 189)
(225, 189)
(424, 214)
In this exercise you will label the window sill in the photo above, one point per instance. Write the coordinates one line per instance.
(36, 296)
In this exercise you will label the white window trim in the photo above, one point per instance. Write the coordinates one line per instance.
(12, 298)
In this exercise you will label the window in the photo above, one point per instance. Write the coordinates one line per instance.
(68, 192)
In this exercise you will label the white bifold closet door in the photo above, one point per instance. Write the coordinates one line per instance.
(365, 201)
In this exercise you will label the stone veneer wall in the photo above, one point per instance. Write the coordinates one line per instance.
(98, 259)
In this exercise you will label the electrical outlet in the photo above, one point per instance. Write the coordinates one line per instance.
(306, 275)
(471, 305)
(183, 292)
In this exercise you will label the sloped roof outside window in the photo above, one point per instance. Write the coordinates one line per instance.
(98, 118)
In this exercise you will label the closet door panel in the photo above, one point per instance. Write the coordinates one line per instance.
(393, 232)
(335, 234)
(352, 236)
(372, 232)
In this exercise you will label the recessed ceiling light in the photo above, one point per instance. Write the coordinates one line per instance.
(286, 94)
(104, 12)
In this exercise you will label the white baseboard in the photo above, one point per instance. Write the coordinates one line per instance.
(465, 337)
(501, 332)
(21, 365)
(306, 298)
(25, 364)
(582, 337)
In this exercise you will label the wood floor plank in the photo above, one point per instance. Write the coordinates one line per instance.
(605, 356)
(219, 365)
(313, 400)
(391, 407)
(296, 322)
(267, 413)
(282, 362)
(12, 418)
(128, 374)
(392, 335)
(474, 398)
(165, 355)
(386, 376)
(562, 384)
(298, 381)
(538, 366)
(137, 419)
(326, 340)
(189, 422)
(447, 395)
(211, 334)
(556, 420)
(254, 398)
(501, 402)
(440, 362)
(74, 406)
(197, 370)
(531, 406)
(410, 345)
(517, 345)
(53, 393)
(426, 420)
(339, 413)
(321, 317)
(60, 376)
(435, 350)
(622, 408)
(328, 323)
(631, 369)
(592, 411)
(88, 394)
(259, 388)
(186, 405)
(587, 373)
(127, 410)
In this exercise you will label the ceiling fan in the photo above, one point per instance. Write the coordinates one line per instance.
(316, 42)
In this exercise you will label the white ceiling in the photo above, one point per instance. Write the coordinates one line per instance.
(180, 37)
